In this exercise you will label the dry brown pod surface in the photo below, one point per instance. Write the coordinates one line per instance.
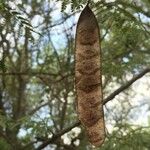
(88, 74)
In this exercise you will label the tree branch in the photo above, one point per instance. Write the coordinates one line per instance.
(27, 73)
(37, 108)
(125, 86)
(56, 136)
(110, 97)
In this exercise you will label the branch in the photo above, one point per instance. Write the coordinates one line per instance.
(2, 135)
(56, 136)
(40, 75)
(37, 108)
(110, 97)
(125, 86)
(27, 73)
(136, 8)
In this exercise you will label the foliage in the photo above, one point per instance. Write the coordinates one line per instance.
(128, 137)
(75, 4)
(37, 97)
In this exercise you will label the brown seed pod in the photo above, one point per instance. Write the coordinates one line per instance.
(88, 77)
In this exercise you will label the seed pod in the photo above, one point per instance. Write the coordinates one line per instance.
(88, 74)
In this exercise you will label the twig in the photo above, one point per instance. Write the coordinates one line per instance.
(37, 108)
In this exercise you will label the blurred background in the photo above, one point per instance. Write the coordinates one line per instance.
(37, 99)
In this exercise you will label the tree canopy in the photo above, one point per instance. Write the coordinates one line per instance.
(37, 96)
